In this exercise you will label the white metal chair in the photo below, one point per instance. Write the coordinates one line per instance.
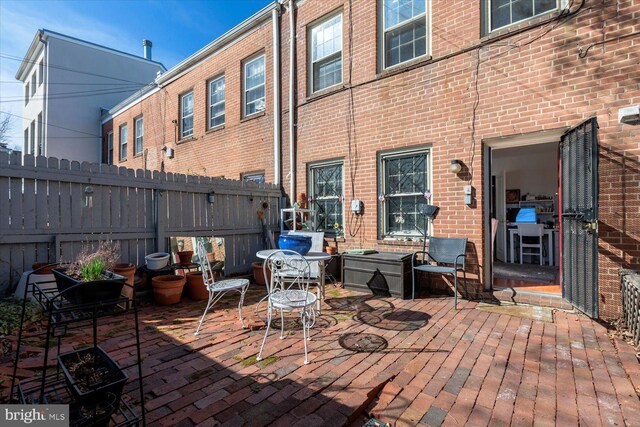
(531, 232)
(288, 290)
(317, 245)
(220, 288)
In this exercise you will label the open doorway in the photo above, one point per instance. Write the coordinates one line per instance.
(524, 214)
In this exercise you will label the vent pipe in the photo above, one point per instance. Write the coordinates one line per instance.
(146, 46)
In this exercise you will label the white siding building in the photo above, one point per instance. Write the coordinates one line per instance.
(67, 82)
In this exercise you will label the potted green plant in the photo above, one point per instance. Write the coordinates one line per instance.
(90, 279)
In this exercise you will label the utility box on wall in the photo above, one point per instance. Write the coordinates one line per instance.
(381, 273)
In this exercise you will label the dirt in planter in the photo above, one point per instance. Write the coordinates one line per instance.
(89, 372)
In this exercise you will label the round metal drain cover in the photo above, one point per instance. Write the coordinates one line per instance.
(362, 343)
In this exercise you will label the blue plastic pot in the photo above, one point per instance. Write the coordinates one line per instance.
(294, 242)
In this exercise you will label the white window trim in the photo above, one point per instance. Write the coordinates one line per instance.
(245, 89)
(559, 4)
(310, 182)
(382, 32)
(137, 136)
(383, 208)
(224, 99)
(312, 62)
(110, 148)
(123, 142)
(183, 134)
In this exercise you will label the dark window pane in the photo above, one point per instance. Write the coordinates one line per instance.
(521, 9)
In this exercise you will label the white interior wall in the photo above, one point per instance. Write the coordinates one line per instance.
(531, 169)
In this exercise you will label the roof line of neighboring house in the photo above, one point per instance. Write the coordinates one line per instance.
(43, 33)
(187, 64)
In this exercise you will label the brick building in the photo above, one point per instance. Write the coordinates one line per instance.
(389, 93)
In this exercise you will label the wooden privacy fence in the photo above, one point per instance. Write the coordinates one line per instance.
(50, 208)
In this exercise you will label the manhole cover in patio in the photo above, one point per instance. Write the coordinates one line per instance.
(362, 343)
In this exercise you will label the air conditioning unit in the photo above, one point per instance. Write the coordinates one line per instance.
(629, 115)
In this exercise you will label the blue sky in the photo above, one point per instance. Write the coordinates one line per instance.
(176, 28)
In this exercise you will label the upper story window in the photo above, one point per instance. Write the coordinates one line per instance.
(110, 148)
(502, 13)
(404, 181)
(325, 189)
(33, 84)
(404, 35)
(25, 149)
(32, 138)
(216, 102)
(26, 94)
(254, 86)
(123, 142)
(41, 72)
(254, 177)
(40, 135)
(326, 54)
(138, 133)
(186, 115)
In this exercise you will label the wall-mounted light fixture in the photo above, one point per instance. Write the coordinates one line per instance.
(211, 197)
(169, 151)
(455, 166)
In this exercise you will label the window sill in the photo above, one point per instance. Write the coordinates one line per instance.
(325, 92)
(122, 161)
(334, 239)
(399, 68)
(215, 129)
(187, 139)
(135, 156)
(253, 116)
(399, 242)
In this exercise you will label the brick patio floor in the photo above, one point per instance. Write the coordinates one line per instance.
(428, 365)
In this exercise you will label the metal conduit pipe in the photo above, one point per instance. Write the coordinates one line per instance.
(292, 68)
(277, 113)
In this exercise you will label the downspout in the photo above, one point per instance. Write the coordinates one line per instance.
(292, 68)
(277, 112)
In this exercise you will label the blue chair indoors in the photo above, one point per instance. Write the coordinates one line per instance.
(444, 256)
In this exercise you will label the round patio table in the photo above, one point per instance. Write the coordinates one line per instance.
(319, 257)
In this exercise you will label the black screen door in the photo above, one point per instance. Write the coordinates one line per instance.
(579, 162)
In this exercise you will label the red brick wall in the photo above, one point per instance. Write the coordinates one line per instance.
(530, 81)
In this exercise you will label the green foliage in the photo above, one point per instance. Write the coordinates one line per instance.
(91, 263)
(10, 312)
(92, 270)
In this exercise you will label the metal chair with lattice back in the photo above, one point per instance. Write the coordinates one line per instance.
(288, 290)
(218, 289)
(444, 256)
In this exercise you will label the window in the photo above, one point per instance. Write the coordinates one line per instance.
(216, 102)
(110, 148)
(404, 180)
(26, 94)
(326, 54)
(325, 190)
(123, 142)
(502, 13)
(254, 90)
(25, 149)
(186, 115)
(40, 136)
(41, 72)
(32, 138)
(138, 133)
(254, 177)
(404, 35)
(33, 84)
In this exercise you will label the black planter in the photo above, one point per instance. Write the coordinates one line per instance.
(95, 292)
(94, 385)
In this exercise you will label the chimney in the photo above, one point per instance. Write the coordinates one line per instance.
(146, 46)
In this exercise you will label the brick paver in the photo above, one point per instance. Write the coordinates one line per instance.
(437, 367)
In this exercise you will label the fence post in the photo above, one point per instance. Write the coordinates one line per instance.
(161, 219)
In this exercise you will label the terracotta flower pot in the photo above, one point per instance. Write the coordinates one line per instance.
(258, 273)
(195, 285)
(167, 289)
(331, 250)
(185, 257)
(127, 270)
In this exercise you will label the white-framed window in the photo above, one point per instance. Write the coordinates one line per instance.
(325, 68)
(33, 83)
(254, 86)
(41, 72)
(186, 115)
(110, 148)
(40, 135)
(502, 13)
(326, 193)
(123, 142)
(138, 134)
(216, 102)
(254, 177)
(405, 182)
(32, 138)
(404, 30)
(25, 149)
(26, 93)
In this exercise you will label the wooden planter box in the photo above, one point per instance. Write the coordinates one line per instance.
(382, 273)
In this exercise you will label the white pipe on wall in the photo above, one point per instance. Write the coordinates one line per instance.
(292, 67)
(276, 97)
